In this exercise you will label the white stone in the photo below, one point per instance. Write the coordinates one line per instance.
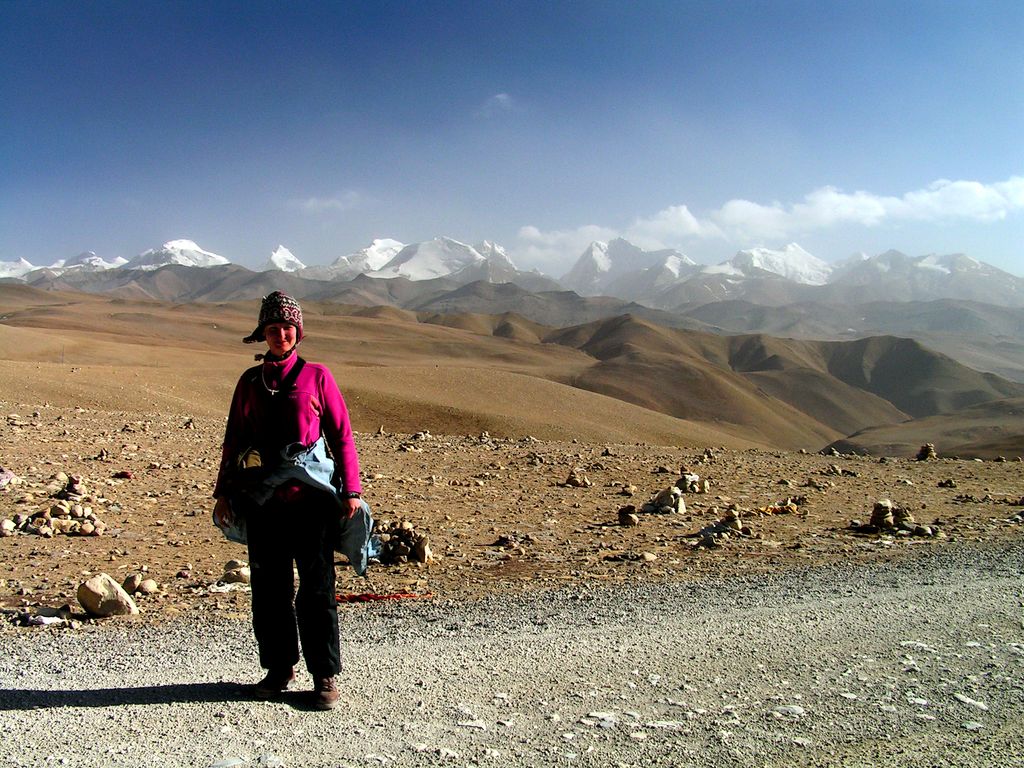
(237, 576)
(789, 710)
(971, 702)
(102, 596)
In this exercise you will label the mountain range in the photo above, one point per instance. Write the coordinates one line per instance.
(662, 279)
(954, 304)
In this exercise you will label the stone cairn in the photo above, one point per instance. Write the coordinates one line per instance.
(577, 479)
(728, 526)
(887, 517)
(70, 514)
(401, 543)
(927, 452)
(667, 501)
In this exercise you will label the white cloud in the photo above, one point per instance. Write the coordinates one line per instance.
(498, 104)
(745, 222)
(668, 228)
(942, 200)
(343, 201)
(559, 249)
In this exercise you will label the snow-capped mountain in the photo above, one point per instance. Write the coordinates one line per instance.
(15, 269)
(601, 264)
(498, 265)
(649, 281)
(667, 278)
(440, 257)
(897, 277)
(791, 262)
(363, 261)
(89, 261)
(494, 253)
(590, 272)
(282, 260)
(182, 252)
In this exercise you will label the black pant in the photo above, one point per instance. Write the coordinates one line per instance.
(280, 534)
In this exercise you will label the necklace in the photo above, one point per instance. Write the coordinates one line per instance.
(263, 378)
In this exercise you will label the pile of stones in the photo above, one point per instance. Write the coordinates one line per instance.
(577, 479)
(887, 517)
(728, 526)
(667, 501)
(927, 452)
(401, 543)
(70, 513)
(788, 506)
(410, 446)
(670, 500)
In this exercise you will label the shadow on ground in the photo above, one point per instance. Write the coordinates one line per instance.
(186, 693)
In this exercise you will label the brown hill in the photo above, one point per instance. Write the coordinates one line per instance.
(769, 386)
(837, 386)
(395, 371)
(986, 430)
(913, 378)
(623, 376)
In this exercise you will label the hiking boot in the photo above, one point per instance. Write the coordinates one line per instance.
(326, 693)
(275, 681)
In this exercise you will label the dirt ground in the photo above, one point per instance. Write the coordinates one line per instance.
(497, 511)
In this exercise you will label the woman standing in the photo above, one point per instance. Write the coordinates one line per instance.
(285, 415)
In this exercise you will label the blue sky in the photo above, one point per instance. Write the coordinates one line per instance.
(705, 127)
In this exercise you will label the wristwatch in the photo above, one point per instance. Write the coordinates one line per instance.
(351, 495)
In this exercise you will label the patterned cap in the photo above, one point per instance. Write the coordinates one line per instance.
(277, 308)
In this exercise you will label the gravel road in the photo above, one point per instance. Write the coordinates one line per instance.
(910, 665)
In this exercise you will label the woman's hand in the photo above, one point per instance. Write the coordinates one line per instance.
(222, 512)
(352, 505)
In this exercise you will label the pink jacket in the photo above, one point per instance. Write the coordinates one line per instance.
(271, 421)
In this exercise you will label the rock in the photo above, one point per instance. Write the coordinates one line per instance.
(131, 583)
(577, 479)
(902, 518)
(926, 452)
(7, 527)
(241, 575)
(149, 587)
(666, 498)
(102, 596)
(421, 551)
(690, 483)
(628, 517)
(232, 565)
(881, 515)
(7, 477)
(789, 710)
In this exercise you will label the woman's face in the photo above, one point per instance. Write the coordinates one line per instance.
(280, 338)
